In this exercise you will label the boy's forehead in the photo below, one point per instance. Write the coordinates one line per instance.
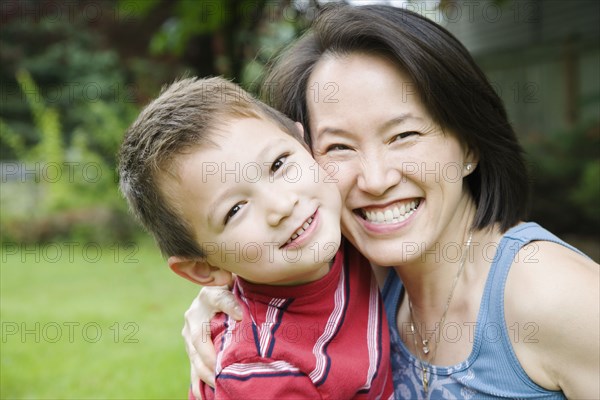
(231, 145)
(236, 153)
(240, 140)
(247, 130)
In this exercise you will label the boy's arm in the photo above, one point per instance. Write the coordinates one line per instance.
(267, 379)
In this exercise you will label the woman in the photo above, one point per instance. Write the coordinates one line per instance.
(435, 187)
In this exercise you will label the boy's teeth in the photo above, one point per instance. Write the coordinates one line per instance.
(392, 215)
(300, 230)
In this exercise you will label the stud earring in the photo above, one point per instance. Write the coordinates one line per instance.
(469, 166)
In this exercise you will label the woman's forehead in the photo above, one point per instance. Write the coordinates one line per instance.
(361, 86)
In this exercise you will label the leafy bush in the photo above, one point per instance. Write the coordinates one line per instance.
(79, 198)
(566, 179)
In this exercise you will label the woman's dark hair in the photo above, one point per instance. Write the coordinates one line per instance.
(451, 86)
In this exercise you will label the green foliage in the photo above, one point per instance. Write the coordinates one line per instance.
(12, 139)
(72, 69)
(189, 19)
(566, 179)
(49, 149)
(140, 8)
(77, 184)
(275, 35)
(66, 105)
(587, 194)
(46, 119)
(238, 36)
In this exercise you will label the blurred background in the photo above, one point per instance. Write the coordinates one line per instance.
(89, 309)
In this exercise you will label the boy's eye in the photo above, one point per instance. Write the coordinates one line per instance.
(403, 135)
(278, 163)
(234, 210)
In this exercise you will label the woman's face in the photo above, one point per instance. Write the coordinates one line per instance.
(400, 176)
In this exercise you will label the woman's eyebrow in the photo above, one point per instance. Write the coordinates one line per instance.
(398, 120)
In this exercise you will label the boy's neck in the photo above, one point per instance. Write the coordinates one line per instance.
(312, 277)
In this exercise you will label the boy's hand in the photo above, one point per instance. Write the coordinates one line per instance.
(196, 332)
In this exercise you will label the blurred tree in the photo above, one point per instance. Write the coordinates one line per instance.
(83, 53)
(227, 34)
(70, 63)
(565, 169)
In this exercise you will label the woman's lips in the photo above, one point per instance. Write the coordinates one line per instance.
(388, 218)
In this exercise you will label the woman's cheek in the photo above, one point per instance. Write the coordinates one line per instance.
(343, 174)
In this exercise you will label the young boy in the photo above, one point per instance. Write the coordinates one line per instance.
(226, 185)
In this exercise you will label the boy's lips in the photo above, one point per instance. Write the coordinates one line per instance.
(305, 228)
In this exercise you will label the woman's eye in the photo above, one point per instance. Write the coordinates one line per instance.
(278, 163)
(403, 135)
(336, 147)
(234, 210)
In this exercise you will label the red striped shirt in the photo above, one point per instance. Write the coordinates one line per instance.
(326, 339)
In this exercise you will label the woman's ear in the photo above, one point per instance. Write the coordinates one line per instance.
(470, 162)
(199, 271)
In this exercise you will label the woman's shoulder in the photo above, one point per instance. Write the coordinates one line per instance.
(542, 252)
(533, 246)
(551, 304)
(549, 285)
(545, 264)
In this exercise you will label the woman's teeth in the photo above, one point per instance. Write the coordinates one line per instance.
(300, 230)
(392, 215)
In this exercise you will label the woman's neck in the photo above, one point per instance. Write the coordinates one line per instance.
(429, 277)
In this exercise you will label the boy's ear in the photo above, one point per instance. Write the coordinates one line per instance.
(199, 271)
(300, 128)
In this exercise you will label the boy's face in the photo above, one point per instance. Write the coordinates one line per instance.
(259, 204)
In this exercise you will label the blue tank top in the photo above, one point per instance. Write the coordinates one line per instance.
(492, 370)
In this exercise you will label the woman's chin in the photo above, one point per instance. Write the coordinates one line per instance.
(383, 256)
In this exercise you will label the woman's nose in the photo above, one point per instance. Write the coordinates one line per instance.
(377, 175)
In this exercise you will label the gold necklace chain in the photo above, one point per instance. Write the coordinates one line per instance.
(425, 375)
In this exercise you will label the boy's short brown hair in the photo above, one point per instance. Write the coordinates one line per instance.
(182, 118)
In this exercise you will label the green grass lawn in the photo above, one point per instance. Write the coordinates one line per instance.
(78, 323)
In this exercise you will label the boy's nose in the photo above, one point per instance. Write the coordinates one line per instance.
(280, 206)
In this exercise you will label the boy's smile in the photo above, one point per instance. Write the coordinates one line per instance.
(259, 204)
(300, 235)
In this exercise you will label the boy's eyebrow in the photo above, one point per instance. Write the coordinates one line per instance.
(264, 152)
(261, 155)
(212, 208)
